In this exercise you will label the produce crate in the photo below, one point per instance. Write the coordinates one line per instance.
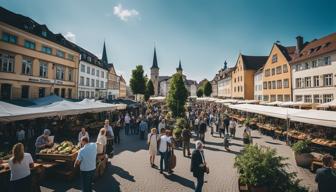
(69, 157)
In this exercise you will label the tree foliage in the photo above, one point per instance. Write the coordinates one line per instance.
(199, 92)
(177, 95)
(138, 80)
(207, 90)
(149, 90)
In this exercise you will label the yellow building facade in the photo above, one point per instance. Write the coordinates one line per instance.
(122, 87)
(32, 66)
(277, 84)
(243, 76)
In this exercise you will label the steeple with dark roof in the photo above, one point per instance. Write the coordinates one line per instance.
(179, 67)
(104, 57)
(155, 63)
(225, 65)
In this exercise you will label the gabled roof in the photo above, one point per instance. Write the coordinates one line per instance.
(29, 25)
(163, 78)
(316, 48)
(288, 52)
(253, 62)
(91, 58)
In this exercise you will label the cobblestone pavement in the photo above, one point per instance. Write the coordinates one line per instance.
(130, 170)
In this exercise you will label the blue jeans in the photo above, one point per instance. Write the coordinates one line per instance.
(200, 182)
(87, 178)
(163, 158)
(127, 126)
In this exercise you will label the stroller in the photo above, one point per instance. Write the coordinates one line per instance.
(227, 142)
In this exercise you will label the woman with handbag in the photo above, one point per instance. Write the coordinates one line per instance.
(198, 165)
(152, 140)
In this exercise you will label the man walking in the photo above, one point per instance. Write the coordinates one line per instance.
(202, 130)
(127, 120)
(198, 165)
(186, 135)
(163, 149)
(143, 127)
(226, 124)
(86, 160)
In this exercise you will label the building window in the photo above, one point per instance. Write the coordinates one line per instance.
(27, 64)
(307, 98)
(314, 64)
(317, 99)
(279, 70)
(9, 38)
(92, 83)
(280, 98)
(298, 83)
(265, 85)
(273, 71)
(307, 82)
(298, 98)
(81, 94)
(316, 81)
(97, 83)
(82, 68)
(327, 98)
(59, 72)
(327, 79)
(81, 80)
(273, 98)
(279, 84)
(70, 74)
(269, 85)
(63, 92)
(71, 57)
(57, 91)
(6, 63)
(266, 98)
(102, 74)
(285, 68)
(60, 53)
(88, 69)
(306, 65)
(93, 71)
(97, 73)
(285, 83)
(41, 92)
(69, 93)
(273, 84)
(92, 94)
(274, 58)
(44, 33)
(29, 44)
(25, 92)
(46, 49)
(87, 82)
(326, 60)
(43, 69)
(101, 84)
(286, 98)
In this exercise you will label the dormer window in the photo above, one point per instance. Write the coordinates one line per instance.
(274, 58)
(44, 33)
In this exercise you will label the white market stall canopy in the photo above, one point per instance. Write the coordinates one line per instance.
(278, 112)
(329, 104)
(10, 112)
(316, 117)
(157, 98)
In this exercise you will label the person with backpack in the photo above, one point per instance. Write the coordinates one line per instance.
(152, 141)
(186, 135)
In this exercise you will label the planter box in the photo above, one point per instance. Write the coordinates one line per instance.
(304, 159)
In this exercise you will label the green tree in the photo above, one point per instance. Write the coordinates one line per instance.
(138, 80)
(199, 92)
(207, 90)
(149, 90)
(177, 95)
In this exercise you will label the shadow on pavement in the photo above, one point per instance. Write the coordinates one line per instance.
(272, 143)
(181, 180)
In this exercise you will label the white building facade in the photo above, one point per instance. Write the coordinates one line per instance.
(92, 82)
(224, 87)
(258, 85)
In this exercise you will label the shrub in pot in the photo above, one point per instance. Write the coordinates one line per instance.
(302, 154)
(262, 170)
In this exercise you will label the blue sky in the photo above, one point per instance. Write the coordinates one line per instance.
(202, 33)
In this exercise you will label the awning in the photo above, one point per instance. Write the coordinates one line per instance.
(315, 117)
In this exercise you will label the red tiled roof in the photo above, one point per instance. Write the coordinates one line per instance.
(316, 48)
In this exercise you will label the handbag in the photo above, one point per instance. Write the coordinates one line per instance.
(172, 160)
(206, 169)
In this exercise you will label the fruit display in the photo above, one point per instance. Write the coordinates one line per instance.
(297, 134)
(64, 148)
(325, 142)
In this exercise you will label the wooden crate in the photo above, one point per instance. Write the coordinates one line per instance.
(70, 157)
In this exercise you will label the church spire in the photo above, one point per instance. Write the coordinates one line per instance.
(104, 57)
(179, 69)
(155, 63)
(225, 65)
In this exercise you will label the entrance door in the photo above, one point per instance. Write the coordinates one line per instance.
(6, 91)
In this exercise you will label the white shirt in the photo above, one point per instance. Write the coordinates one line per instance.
(196, 121)
(80, 135)
(110, 131)
(102, 139)
(127, 119)
(20, 135)
(20, 170)
(163, 143)
(232, 124)
(162, 125)
(87, 157)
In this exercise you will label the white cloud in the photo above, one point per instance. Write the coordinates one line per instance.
(70, 36)
(124, 14)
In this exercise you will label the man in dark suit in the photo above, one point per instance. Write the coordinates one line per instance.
(198, 165)
(326, 176)
(202, 130)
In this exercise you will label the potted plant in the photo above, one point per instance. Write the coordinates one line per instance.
(262, 170)
(302, 154)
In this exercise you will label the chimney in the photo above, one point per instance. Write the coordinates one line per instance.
(299, 43)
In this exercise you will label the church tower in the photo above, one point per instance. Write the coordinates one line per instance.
(179, 69)
(155, 74)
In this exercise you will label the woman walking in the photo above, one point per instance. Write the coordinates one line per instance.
(101, 139)
(152, 146)
(20, 165)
